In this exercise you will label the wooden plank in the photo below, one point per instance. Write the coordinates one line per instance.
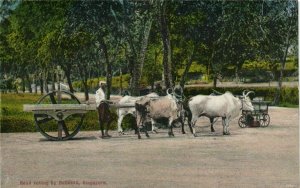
(46, 107)
(69, 107)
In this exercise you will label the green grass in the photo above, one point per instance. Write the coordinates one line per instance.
(288, 105)
(13, 118)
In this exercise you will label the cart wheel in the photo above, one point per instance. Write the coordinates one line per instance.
(264, 120)
(242, 122)
(54, 129)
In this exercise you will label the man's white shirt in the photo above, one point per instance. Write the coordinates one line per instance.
(100, 96)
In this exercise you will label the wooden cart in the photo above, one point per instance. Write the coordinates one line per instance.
(258, 118)
(61, 112)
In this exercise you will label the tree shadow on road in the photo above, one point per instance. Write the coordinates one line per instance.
(71, 139)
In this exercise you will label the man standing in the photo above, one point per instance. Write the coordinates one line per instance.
(104, 114)
(100, 95)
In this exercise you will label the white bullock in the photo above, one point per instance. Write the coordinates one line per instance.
(226, 106)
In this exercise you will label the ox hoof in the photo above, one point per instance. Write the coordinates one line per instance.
(183, 132)
(171, 134)
(195, 135)
(213, 130)
(139, 137)
(154, 132)
(224, 133)
(105, 136)
(121, 133)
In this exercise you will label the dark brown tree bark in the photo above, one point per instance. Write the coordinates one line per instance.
(186, 70)
(108, 69)
(138, 60)
(35, 84)
(28, 83)
(42, 85)
(82, 70)
(167, 61)
(121, 82)
(280, 79)
(152, 75)
(46, 82)
(53, 81)
(23, 85)
(86, 89)
(68, 76)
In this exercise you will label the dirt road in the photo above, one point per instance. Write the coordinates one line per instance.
(249, 157)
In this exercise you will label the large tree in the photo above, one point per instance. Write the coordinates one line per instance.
(95, 18)
(279, 33)
(135, 22)
(163, 7)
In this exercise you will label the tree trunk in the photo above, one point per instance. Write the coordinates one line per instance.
(134, 82)
(140, 59)
(35, 84)
(46, 82)
(108, 69)
(236, 75)
(23, 85)
(167, 62)
(15, 86)
(282, 62)
(83, 76)
(53, 81)
(143, 50)
(68, 76)
(187, 68)
(153, 70)
(28, 83)
(86, 89)
(121, 82)
(215, 81)
(42, 85)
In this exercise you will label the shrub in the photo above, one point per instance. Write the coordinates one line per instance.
(17, 124)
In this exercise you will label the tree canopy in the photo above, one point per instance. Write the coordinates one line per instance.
(152, 39)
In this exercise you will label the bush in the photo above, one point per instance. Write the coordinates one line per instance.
(289, 96)
(17, 124)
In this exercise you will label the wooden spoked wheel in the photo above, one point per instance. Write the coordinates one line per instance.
(59, 126)
(264, 120)
(242, 121)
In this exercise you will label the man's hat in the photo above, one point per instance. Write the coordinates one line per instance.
(102, 83)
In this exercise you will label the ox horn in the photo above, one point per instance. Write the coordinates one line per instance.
(168, 91)
(249, 93)
(244, 93)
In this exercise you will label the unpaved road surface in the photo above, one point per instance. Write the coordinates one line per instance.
(249, 157)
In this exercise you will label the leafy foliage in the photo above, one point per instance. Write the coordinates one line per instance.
(147, 40)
